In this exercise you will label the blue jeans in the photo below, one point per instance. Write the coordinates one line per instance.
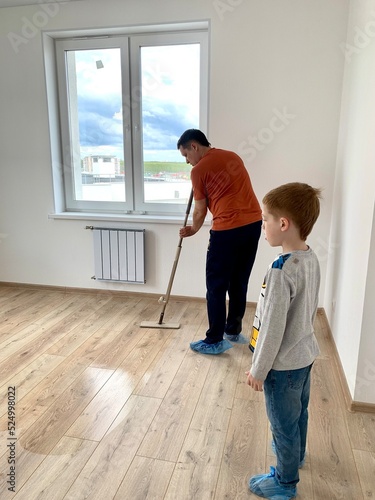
(287, 395)
(230, 258)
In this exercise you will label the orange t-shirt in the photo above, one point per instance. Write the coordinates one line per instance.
(221, 178)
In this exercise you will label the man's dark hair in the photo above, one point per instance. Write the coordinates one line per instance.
(192, 134)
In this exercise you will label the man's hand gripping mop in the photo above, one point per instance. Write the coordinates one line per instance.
(164, 300)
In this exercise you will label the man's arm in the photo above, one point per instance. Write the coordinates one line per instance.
(199, 214)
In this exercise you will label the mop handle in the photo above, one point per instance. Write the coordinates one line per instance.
(176, 260)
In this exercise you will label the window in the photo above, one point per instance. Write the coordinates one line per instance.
(124, 100)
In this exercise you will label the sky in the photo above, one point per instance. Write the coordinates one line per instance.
(170, 99)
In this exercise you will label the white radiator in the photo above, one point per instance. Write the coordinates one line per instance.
(119, 254)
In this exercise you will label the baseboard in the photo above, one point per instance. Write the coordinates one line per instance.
(351, 405)
(362, 407)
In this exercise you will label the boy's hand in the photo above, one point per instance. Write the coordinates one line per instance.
(256, 384)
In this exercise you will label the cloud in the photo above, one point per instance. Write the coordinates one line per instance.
(100, 122)
(163, 123)
(170, 99)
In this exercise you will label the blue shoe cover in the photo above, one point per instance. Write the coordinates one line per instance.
(217, 348)
(267, 486)
(237, 339)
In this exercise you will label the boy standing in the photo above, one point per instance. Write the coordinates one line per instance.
(283, 337)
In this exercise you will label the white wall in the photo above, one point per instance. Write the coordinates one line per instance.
(267, 57)
(350, 271)
(365, 380)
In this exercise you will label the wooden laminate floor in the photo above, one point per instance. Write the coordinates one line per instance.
(108, 410)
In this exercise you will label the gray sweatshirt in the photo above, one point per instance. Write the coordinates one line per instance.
(283, 329)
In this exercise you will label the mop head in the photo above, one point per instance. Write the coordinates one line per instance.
(155, 324)
(160, 323)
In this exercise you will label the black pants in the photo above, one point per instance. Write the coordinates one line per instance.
(230, 258)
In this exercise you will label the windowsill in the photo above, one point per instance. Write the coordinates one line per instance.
(147, 218)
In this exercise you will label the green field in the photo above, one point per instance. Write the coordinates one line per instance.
(155, 167)
(164, 167)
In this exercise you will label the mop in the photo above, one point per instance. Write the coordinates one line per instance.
(164, 300)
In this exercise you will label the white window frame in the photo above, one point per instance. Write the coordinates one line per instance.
(130, 41)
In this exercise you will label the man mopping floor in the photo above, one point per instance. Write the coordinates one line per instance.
(222, 185)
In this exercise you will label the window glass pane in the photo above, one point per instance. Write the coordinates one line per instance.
(96, 127)
(170, 78)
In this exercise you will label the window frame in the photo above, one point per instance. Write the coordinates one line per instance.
(130, 41)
